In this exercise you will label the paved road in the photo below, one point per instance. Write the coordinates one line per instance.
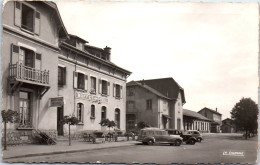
(208, 151)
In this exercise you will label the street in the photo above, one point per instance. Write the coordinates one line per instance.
(209, 150)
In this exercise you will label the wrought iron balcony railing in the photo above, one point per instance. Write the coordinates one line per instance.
(20, 72)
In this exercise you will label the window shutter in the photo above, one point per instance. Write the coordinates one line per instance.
(121, 92)
(37, 23)
(17, 13)
(108, 88)
(64, 76)
(114, 89)
(100, 86)
(86, 82)
(75, 83)
(38, 61)
(15, 54)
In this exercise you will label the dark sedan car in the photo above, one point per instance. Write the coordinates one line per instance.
(187, 138)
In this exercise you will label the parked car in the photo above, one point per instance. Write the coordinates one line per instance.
(155, 135)
(196, 134)
(187, 138)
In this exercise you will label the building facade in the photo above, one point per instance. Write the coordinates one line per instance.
(44, 77)
(157, 102)
(215, 116)
(228, 126)
(195, 121)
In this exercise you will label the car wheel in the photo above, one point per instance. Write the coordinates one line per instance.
(199, 139)
(177, 143)
(192, 142)
(150, 142)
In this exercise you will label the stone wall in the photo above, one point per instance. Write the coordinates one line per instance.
(19, 137)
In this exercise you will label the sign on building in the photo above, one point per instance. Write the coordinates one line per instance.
(56, 102)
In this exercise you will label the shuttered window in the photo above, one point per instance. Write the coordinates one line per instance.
(27, 18)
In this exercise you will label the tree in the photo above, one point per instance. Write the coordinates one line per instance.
(142, 125)
(8, 116)
(108, 123)
(70, 120)
(245, 114)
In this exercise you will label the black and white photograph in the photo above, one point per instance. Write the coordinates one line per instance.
(129, 82)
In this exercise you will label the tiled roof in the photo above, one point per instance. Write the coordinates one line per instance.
(205, 108)
(166, 86)
(194, 114)
(132, 83)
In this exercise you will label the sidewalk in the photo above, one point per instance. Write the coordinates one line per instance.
(60, 147)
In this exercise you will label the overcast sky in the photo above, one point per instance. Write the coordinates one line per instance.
(210, 49)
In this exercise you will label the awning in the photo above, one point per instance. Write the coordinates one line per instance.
(168, 117)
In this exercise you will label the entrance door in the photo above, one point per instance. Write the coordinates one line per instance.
(59, 121)
(24, 108)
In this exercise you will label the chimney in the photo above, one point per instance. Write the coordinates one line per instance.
(107, 51)
(216, 109)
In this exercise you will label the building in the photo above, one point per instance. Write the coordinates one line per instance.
(157, 102)
(195, 121)
(92, 87)
(215, 116)
(228, 126)
(47, 73)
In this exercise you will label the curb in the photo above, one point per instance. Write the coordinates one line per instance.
(63, 152)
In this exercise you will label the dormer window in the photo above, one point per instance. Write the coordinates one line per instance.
(27, 18)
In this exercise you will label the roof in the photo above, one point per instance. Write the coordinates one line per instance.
(167, 87)
(62, 29)
(68, 46)
(207, 109)
(228, 119)
(194, 114)
(77, 37)
(135, 83)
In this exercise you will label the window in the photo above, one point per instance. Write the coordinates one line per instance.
(80, 81)
(103, 113)
(25, 109)
(118, 92)
(117, 118)
(130, 105)
(26, 57)
(61, 76)
(27, 18)
(92, 113)
(131, 91)
(104, 87)
(80, 109)
(93, 88)
(149, 104)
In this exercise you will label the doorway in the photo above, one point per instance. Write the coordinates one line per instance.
(60, 112)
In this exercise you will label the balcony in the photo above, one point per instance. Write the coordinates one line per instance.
(20, 74)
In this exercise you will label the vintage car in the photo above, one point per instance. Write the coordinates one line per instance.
(187, 138)
(196, 134)
(155, 135)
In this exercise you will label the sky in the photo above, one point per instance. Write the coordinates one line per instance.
(210, 49)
